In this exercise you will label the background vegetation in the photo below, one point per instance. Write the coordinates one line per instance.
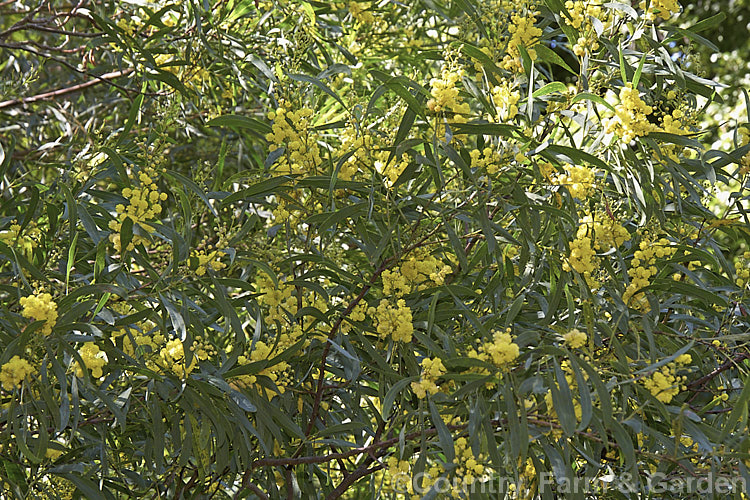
(255, 249)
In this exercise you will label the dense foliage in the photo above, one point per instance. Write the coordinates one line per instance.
(439, 248)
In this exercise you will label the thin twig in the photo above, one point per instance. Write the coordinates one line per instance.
(63, 62)
(321, 377)
(64, 91)
(361, 472)
(258, 492)
(716, 371)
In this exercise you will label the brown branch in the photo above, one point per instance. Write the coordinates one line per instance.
(64, 91)
(716, 371)
(258, 492)
(62, 32)
(361, 472)
(72, 67)
(346, 454)
(327, 348)
(288, 479)
(321, 377)
(473, 241)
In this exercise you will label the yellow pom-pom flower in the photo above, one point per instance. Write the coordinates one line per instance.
(575, 338)
(13, 373)
(40, 307)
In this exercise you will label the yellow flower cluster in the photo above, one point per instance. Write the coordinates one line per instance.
(359, 147)
(581, 13)
(523, 33)
(578, 179)
(630, 119)
(417, 272)
(609, 233)
(25, 243)
(445, 96)
(659, 8)
(138, 344)
(160, 353)
(359, 313)
(359, 12)
(208, 259)
(393, 170)
(432, 369)
(582, 257)
(283, 303)
(743, 274)
(40, 307)
(506, 101)
(488, 159)
(289, 210)
(189, 72)
(664, 384)
(13, 373)
(277, 298)
(675, 123)
(398, 469)
(292, 130)
(745, 165)
(276, 373)
(93, 359)
(468, 467)
(575, 338)
(128, 25)
(501, 352)
(144, 205)
(172, 356)
(393, 321)
(547, 170)
(643, 268)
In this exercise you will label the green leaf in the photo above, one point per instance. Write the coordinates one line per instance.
(562, 400)
(240, 122)
(135, 108)
(572, 155)
(169, 79)
(623, 67)
(637, 75)
(624, 443)
(487, 63)
(71, 261)
(498, 129)
(393, 393)
(593, 98)
(15, 475)
(87, 487)
(676, 139)
(550, 88)
(444, 435)
(545, 54)
(126, 234)
(668, 359)
(396, 84)
(740, 408)
(320, 85)
(260, 189)
(708, 23)
(192, 186)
